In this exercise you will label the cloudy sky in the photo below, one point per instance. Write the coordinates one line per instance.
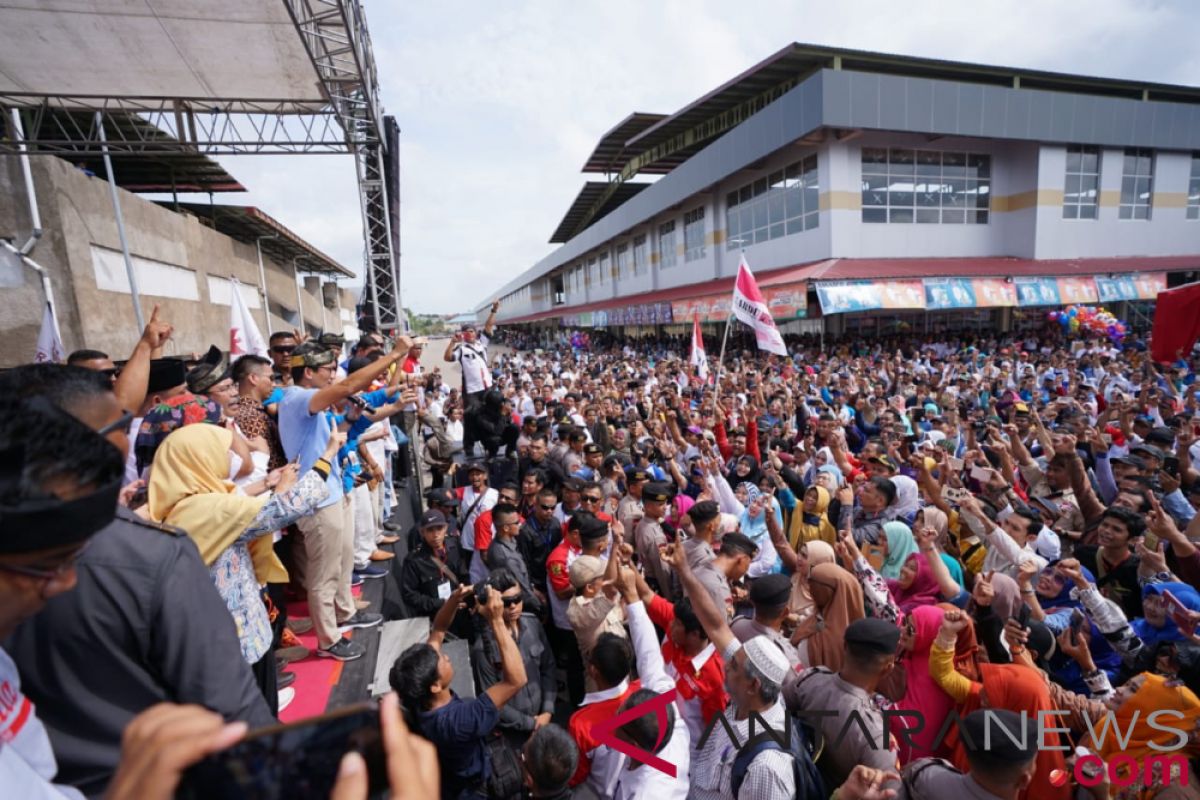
(500, 103)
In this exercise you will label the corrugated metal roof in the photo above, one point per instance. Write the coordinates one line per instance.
(610, 154)
(249, 224)
(588, 195)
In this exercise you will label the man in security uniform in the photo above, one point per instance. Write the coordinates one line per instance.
(650, 535)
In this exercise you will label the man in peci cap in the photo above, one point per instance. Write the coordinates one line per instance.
(869, 655)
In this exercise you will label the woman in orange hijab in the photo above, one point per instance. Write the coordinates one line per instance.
(1012, 686)
(1131, 706)
(839, 601)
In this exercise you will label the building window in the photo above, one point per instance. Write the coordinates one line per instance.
(1137, 183)
(693, 234)
(639, 254)
(1193, 203)
(623, 262)
(781, 204)
(666, 245)
(605, 268)
(593, 271)
(925, 186)
(1081, 194)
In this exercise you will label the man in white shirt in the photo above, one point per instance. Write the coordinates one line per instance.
(1010, 544)
(472, 357)
(476, 498)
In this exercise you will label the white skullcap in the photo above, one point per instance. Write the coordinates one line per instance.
(1048, 545)
(729, 523)
(767, 658)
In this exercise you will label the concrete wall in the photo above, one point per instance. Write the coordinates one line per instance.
(77, 216)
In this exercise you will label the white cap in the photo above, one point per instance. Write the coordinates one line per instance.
(768, 658)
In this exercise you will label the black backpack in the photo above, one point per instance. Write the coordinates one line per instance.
(809, 783)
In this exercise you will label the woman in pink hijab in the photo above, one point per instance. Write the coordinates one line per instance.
(921, 693)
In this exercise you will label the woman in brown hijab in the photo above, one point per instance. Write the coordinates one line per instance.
(839, 601)
(809, 555)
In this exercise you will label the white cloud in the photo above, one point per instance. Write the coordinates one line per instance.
(500, 103)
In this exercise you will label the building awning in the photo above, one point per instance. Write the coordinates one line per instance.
(249, 224)
(838, 270)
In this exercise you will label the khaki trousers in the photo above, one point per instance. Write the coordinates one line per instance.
(327, 551)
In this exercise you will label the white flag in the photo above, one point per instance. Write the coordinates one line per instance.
(49, 342)
(750, 307)
(698, 359)
(244, 336)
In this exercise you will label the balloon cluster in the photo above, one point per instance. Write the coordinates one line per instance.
(1098, 321)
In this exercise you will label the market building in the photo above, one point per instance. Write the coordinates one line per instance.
(869, 191)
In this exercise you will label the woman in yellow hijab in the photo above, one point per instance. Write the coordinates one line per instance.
(190, 489)
(810, 522)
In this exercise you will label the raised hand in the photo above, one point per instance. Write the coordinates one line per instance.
(984, 593)
(953, 622)
(156, 333)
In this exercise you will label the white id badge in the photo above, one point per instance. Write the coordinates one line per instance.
(444, 590)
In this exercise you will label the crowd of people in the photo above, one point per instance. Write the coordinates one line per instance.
(917, 569)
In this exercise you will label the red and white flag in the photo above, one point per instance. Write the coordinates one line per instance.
(750, 307)
(244, 336)
(698, 359)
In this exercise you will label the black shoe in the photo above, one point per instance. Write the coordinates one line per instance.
(342, 650)
(391, 526)
(285, 680)
(361, 619)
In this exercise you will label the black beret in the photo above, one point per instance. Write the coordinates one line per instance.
(637, 475)
(592, 528)
(1000, 735)
(771, 591)
(591, 448)
(874, 635)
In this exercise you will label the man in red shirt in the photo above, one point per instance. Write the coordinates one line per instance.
(690, 658)
(599, 764)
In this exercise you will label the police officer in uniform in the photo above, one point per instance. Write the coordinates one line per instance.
(870, 654)
(770, 596)
(1001, 770)
(649, 535)
(629, 510)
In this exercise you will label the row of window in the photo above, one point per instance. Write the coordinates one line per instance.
(783, 203)
(925, 186)
(1081, 194)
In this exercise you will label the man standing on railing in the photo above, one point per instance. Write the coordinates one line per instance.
(471, 354)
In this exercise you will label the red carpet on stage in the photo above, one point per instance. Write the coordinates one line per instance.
(315, 677)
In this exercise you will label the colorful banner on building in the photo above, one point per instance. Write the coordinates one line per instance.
(947, 293)
(900, 295)
(1077, 291)
(789, 301)
(599, 319)
(1149, 284)
(994, 293)
(1037, 292)
(842, 298)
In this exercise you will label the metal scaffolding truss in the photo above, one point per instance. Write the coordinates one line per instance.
(62, 125)
(335, 36)
(344, 117)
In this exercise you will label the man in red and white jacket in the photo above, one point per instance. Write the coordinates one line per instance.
(600, 765)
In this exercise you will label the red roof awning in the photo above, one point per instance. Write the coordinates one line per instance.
(845, 269)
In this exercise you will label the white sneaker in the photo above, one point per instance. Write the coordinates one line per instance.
(286, 696)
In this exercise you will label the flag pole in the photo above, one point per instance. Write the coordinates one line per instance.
(721, 362)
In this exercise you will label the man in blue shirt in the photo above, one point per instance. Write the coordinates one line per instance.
(325, 557)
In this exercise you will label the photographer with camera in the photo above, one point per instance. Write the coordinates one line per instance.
(461, 729)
